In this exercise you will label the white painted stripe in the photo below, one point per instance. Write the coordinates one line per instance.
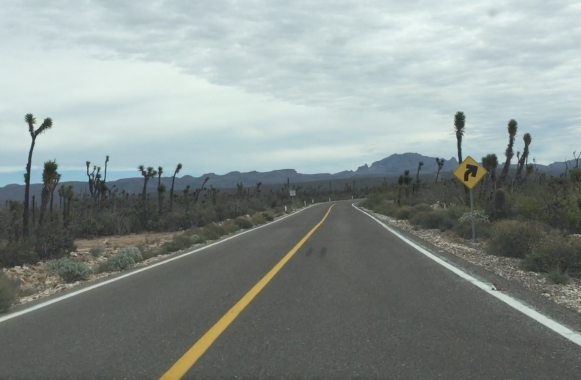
(560, 329)
(134, 272)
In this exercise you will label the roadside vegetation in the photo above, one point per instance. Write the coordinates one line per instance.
(520, 212)
(44, 230)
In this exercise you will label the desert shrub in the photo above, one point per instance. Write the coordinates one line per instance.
(134, 252)
(54, 242)
(464, 229)
(258, 219)
(18, 253)
(178, 243)
(196, 239)
(554, 252)
(121, 261)
(268, 217)
(7, 293)
(422, 207)
(403, 212)
(96, 251)
(69, 270)
(430, 220)
(243, 223)
(386, 208)
(558, 277)
(230, 228)
(101, 267)
(212, 232)
(513, 238)
(372, 201)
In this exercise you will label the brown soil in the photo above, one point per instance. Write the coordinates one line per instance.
(125, 240)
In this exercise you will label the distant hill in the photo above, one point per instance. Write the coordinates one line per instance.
(389, 167)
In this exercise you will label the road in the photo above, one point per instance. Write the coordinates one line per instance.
(351, 301)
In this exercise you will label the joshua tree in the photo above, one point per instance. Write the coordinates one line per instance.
(46, 125)
(420, 164)
(490, 163)
(160, 189)
(440, 162)
(58, 179)
(49, 181)
(147, 174)
(459, 127)
(522, 160)
(512, 130)
(178, 168)
(105, 177)
(576, 157)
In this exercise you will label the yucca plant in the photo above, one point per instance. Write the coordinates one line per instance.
(178, 168)
(49, 180)
(440, 162)
(45, 126)
(525, 155)
(490, 163)
(512, 130)
(459, 128)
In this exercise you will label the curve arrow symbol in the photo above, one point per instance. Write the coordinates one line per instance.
(470, 170)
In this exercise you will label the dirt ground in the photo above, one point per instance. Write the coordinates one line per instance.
(125, 240)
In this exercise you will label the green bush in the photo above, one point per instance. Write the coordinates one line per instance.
(243, 223)
(101, 267)
(558, 277)
(54, 242)
(555, 252)
(431, 220)
(69, 270)
(212, 232)
(121, 261)
(464, 230)
(422, 207)
(134, 252)
(268, 217)
(403, 212)
(258, 219)
(196, 239)
(372, 201)
(18, 254)
(96, 251)
(7, 293)
(511, 238)
(178, 243)
(386, 208)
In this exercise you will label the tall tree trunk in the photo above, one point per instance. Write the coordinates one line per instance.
(33, 211)
(45, 197)
(171, 192)
(27, 190)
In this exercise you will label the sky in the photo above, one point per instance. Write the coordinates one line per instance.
(317, 86)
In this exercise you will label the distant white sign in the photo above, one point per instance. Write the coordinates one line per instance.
(293, 193)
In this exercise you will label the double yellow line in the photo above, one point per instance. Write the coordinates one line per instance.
(179, 369)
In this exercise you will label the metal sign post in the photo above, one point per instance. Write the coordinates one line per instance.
(470, 173)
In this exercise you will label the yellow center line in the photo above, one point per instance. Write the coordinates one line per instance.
(190, 358)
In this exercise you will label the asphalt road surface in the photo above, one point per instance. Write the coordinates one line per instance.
(350, 301)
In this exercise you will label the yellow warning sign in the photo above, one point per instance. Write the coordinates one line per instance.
(469, 172)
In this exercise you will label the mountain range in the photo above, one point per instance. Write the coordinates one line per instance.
(390, 167)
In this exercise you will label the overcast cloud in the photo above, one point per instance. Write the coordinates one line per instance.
(319, 86)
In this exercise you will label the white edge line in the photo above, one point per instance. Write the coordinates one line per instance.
(134, 272)
(512, 302)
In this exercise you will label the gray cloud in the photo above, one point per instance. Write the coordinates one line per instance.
(367, 74)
